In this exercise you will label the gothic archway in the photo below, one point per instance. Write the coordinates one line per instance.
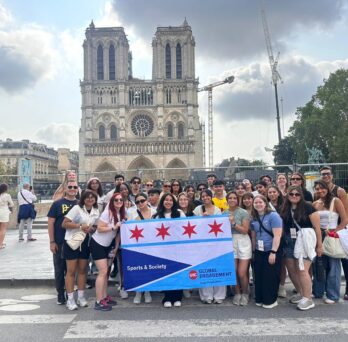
(105, 171)
(139, 167)
(176, 168)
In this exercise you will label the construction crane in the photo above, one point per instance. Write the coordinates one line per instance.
(209, 89)
(273, 62)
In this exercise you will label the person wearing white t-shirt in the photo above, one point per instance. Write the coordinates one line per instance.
(82, 217)
(101, 244)
(143, 212)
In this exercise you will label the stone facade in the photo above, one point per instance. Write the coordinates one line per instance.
(130, 125)
(44, 159)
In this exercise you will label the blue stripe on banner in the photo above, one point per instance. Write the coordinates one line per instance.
(162, 243)
(219, 271)
(176, 219)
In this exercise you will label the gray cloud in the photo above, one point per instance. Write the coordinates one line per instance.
(59, 135)
(252, 95)
(230, 29)
(15, 71)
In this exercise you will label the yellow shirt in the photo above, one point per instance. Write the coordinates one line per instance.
(220, 203)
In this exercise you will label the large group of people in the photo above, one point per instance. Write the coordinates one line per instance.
(278, 228)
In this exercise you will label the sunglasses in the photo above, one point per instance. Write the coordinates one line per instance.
(166, 186)
(149, 184)
(72, 187)
(140, 201)
(323, 174)
(136, 182)
(296, 178)
(294, 194)
(118, 200)
(201, 189)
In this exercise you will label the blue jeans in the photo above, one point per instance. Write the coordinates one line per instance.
(332, 284)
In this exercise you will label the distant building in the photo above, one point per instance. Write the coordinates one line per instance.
(45, 160)
(133, 124)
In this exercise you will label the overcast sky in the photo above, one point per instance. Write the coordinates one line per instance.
(41, 62)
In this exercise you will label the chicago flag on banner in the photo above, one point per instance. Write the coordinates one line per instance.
(181, 253)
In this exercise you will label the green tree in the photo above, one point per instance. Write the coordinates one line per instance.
(322, 123)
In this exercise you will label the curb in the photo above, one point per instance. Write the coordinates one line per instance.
(18, 283)
(5, 283)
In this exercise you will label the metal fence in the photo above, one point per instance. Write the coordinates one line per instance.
(231, 175)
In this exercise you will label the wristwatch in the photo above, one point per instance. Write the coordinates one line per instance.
(273, 252)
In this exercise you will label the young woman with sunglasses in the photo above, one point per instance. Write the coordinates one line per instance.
(299, 215)
(143, 212)
(331, 211)
(215, 294)
(240, 221)
(297, 179)
(266, 231)
(101, 244)
(168, 208)
(176, 188)
(82, 217)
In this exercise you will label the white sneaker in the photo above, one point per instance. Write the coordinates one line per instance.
(236, 299)
(137, 298)
(218, 301)
(281, 291)
(71, 305)
(244, 300)
(82, 302)
(123, 294)
(148, 298)
(187, 293)
(270, 306)
(305, 304)
(207, 301)
(329, 301)
(167, 304)
(177, 304)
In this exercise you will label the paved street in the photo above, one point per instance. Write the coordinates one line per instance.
(28, 311)
(31, 314)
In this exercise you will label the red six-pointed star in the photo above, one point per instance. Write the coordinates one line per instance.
(189, 230)
(136, 233)
(163, 231)
(215, 228)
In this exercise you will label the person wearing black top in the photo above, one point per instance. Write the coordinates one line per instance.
(168, 208)
(56, 234)
(298, 214)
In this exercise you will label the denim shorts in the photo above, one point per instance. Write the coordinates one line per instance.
(288, 247)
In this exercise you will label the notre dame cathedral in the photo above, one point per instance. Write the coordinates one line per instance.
(130, 125)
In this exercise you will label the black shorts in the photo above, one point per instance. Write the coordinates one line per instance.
(80, 253)
(98, 251)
